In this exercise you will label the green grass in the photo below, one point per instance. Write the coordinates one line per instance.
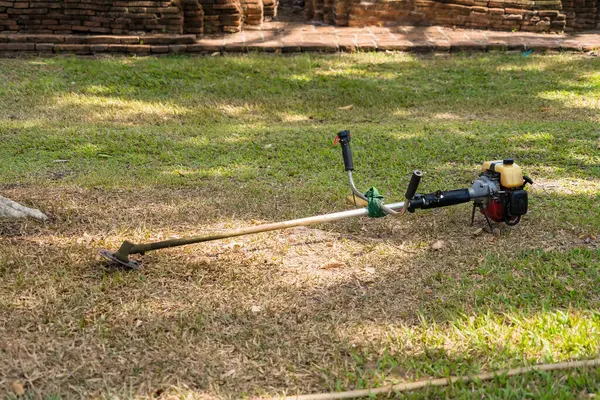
(225, 121)
(538, 305)
(143, 148)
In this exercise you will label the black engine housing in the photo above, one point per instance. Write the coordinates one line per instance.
(517, 203)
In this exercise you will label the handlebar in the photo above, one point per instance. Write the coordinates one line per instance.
(415, 179)
(344, 139)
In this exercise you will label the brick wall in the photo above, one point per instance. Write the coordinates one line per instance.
(252, 11)
(91, 16)
(118, 17)
(222, 15)
(532, 15)
(193, 17)
(581, 14)
(270, 7)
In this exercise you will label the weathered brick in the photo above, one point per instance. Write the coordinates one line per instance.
(46, 38)
(159, 49)
(71, 47)
(117, 48)
(129, 39)
(75, 39)
(98, 48)
(44, 46)
(139, 49)
(17, 46)
(177, 48)
(160, 39)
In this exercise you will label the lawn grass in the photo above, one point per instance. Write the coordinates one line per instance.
(149, 148)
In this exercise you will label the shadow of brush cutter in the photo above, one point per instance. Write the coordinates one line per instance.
(498, 192)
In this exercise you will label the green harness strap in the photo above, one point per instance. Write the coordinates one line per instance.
(375, 202)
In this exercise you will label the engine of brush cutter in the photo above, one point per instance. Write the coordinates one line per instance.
(499, 192)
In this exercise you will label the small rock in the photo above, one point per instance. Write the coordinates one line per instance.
(85, 239)
(496, 232)
(437, 245)
(17, 388)
(233, 245)
(204, 260)
(11, 209)
(478, 232)
(370, 270)
(256, 309)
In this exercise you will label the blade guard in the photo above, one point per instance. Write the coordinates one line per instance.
(109, 255)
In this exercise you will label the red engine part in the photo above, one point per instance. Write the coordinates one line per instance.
(495, 211)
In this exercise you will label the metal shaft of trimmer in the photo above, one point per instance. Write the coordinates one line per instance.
(128, 248)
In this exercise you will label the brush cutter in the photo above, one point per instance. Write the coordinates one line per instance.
(498, 193)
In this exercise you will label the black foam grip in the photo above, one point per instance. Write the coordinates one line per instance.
(344, 139)
(415, 179)
(347, 153)
(453, 197)
(440, 199)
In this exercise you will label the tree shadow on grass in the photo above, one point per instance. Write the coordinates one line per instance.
(208, 89)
